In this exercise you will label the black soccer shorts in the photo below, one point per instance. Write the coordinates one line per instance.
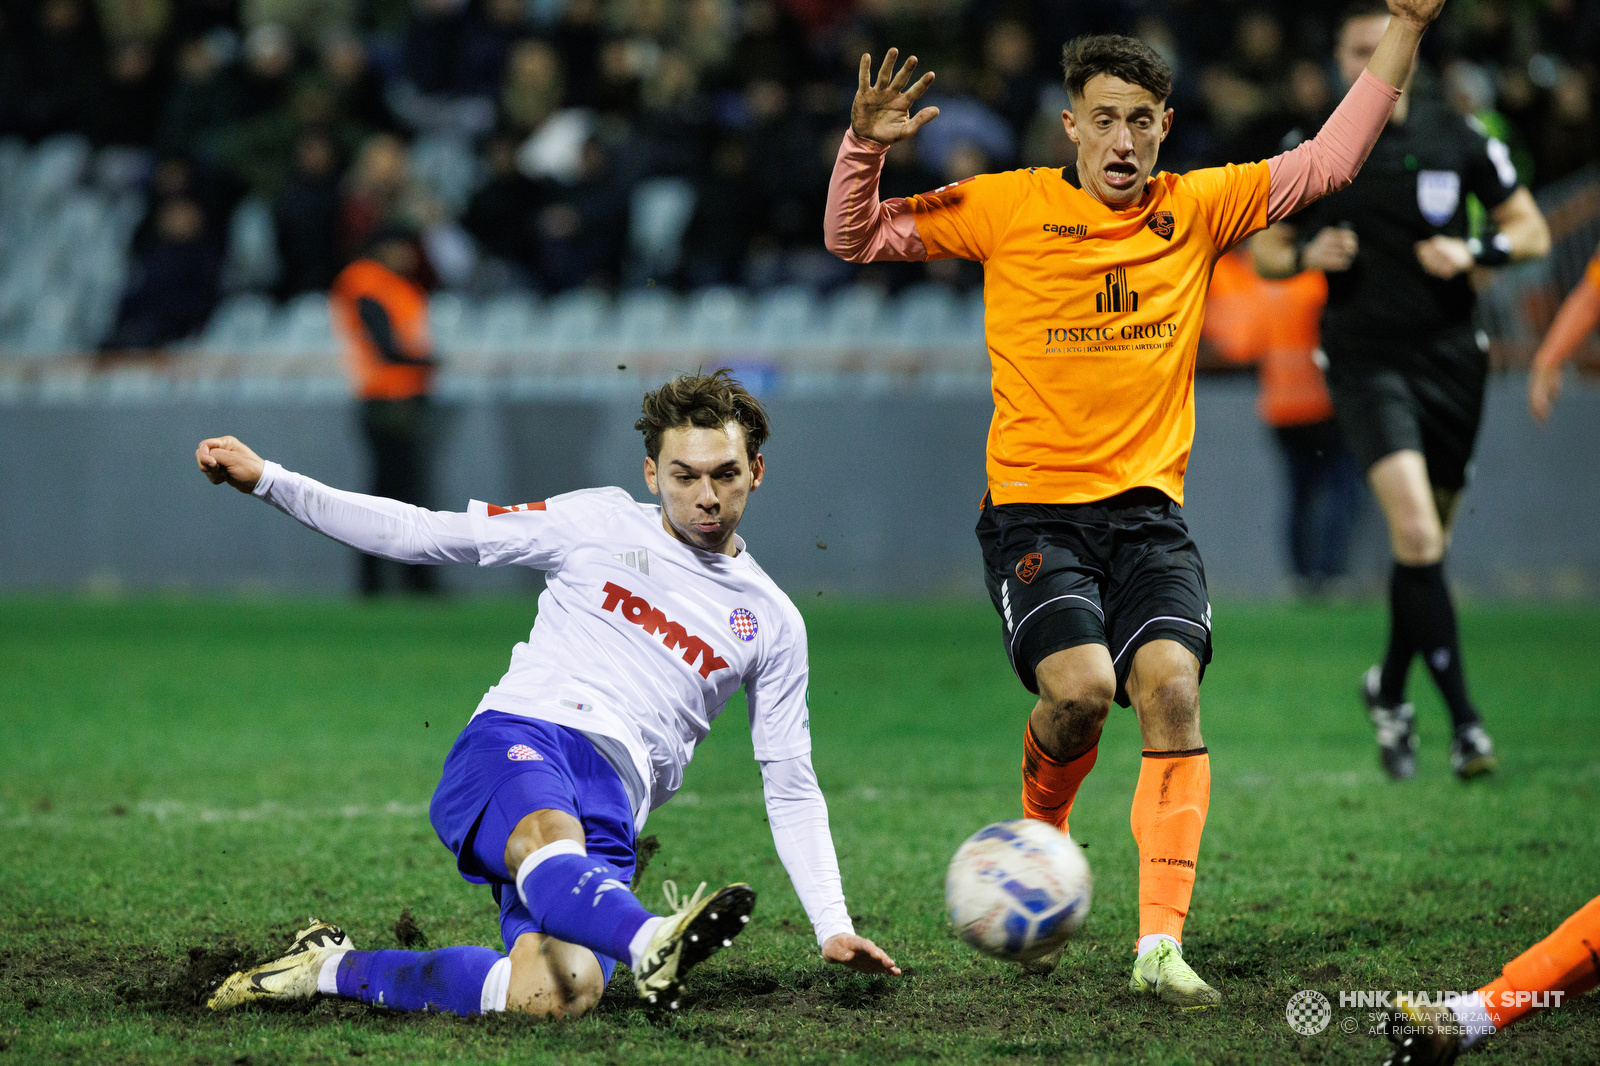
(1425, 396)
(1119, 572)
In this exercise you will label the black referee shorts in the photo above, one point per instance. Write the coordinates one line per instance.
(1119, 572)
(1425, 396)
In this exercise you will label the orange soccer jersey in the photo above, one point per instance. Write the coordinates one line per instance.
(1093, 318)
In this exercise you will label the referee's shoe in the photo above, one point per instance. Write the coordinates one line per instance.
(1397, 729)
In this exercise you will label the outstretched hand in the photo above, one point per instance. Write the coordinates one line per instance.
(859, 954)
(881, 110)
(228, 459)
(1417, 12)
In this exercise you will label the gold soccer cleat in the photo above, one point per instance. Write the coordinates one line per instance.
(291, 976)
(696, 929)
(1422, 1034)
(1162, 972)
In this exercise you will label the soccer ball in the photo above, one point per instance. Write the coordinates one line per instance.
(1017, 890)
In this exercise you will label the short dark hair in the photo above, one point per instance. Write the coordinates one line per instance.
(1128, 58)
(709, 401)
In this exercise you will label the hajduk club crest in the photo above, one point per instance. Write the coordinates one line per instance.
(743, 624)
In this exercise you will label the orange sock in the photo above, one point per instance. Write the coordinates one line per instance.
(1169, 813)
(1565, 961)
(1048, 786)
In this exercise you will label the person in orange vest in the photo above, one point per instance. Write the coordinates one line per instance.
(1578, 317)
(381, 311)
(1275, 324)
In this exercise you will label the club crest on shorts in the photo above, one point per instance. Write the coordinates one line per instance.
(743, 624)
(1028, 567)
(1162, 224)
(523, 753)
(1438, 193)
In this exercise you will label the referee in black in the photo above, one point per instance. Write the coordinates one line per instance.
(1406, 368)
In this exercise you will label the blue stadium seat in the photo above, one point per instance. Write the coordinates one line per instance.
(241, 326)
(447, 167)
(648, 320)
(508, 324)
(718, 319)
(659, 214)
(786, 318)
(305, 328)
(855, 314)
(252, 256)
(454, 323)
(576, 321)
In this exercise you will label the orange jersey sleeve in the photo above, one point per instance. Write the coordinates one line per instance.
(967, 219)
(1233, 198)
(1592, 274)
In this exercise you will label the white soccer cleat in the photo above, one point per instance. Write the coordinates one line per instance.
(1421, 1034)
(1396, 727)
(696, 929)
(291, 976)
(1161, 972)
(1472, 753)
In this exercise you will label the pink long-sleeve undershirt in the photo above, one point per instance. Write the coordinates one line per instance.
(859, 228)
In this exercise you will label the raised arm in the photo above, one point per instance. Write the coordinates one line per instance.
(798, 815)
(857, 227)
(1330, 160)
(377, 526)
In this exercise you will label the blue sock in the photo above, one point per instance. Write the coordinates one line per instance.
(448, 980)
(583, 900)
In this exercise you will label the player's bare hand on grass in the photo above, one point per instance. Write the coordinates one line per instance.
(229, 459)
(1417, 12)
(881, 110)
(859, 954)
(1544, 388)
(1333, 249)
(1444, 257)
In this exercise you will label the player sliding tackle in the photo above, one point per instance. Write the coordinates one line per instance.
(1095, 280)
(651, 618)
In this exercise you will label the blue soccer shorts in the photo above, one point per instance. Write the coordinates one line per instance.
(505, 767)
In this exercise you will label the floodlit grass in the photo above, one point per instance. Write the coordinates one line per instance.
(205, 774)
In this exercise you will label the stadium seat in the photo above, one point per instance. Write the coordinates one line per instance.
(717, 319)
(453, 323)
(252, 256)
(508, 324)
(447, 167)
(56, 167)
(305, 328)
(786, 318)
(241, 326)
(659, 213)
(574, 323)
(648, 320)
(854, 316)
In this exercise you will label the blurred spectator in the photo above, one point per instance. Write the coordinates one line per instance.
(381, 311)
(67, 74)
(131, 111)
(269, 63)
(358, 94)
(308, 21)
(533, 86)
(727, 213)
(135, 20)
(501, 214)
(204, 99)
(173, 286)
(579, 228)
(1276, 324)
(380, 194)
(1010, 83)
(307, 216)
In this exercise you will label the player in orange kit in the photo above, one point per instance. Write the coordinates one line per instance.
(1565, 963)
(1095, 280)
(1578, 317)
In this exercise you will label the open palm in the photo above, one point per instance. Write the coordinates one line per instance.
(882, 108)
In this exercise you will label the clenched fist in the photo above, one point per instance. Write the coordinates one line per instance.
(228, 459)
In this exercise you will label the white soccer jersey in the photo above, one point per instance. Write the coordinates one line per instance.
(643, 638)
(639, 642)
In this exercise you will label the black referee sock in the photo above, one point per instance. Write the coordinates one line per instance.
(1423, 618)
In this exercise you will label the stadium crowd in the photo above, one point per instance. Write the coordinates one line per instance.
(550, 144)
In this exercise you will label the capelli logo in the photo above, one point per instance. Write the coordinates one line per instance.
(1076, 232)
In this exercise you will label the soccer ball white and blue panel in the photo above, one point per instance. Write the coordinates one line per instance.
(1017, 890)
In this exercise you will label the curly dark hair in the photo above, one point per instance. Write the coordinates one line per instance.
(709, 401)
(1128, 58)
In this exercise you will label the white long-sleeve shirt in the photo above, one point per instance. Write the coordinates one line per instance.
(639, 643)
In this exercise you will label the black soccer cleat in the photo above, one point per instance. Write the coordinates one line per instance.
(1396, 726)
(697, 928)
(1421, 1034)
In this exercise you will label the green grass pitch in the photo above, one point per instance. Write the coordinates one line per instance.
(183, 782)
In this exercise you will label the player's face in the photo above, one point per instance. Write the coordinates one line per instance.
(1118, 128)
(704, 478)
(1358, 39)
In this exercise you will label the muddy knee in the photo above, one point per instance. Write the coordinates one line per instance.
(553, 979)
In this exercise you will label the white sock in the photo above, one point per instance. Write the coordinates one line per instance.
(1150, 940)
(1474, 1020)
(549, 851)
(640, 939)
(496, 987)
(328, 976)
